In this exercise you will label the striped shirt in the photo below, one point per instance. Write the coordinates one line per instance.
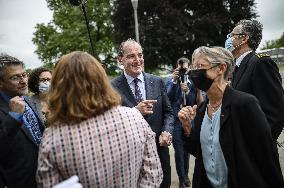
(115, 149)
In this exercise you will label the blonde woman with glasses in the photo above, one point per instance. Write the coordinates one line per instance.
(231, 138)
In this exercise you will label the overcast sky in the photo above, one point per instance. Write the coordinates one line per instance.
(19, 17)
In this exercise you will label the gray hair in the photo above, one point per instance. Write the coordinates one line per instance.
(7, 60)
(216, 55)
(121, 47)
(253, 29)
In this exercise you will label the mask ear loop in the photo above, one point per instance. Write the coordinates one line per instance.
(242, 42)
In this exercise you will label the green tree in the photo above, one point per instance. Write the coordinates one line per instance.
(67, 31)
(274, 43)
(170, 29)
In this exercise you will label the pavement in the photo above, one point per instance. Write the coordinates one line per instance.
(175, 182)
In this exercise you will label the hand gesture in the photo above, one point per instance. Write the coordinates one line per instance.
(175, 74)
(186, 115)
(17, 104)
(146, 107)
(184, 87)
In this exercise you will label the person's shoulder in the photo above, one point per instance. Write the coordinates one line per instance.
(128, 110)
(262, 57)
(116, 79)
(241, 97)
(150, 75)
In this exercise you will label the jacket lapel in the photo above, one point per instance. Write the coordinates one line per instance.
(241, 69)
(35, 111)
(225, 110)
(149, 86)
(4, 106)
(24, 128)
(125, 90)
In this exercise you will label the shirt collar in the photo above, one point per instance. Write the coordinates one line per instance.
(239, 60)
(130, 78)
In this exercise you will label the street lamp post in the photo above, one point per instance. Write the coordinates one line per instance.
(135, 6)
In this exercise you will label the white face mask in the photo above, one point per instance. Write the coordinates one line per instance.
(43, 87)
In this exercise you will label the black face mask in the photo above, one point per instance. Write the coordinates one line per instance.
(200, 79)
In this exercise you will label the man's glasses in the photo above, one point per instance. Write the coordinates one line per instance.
(18, 77)
(233, 34)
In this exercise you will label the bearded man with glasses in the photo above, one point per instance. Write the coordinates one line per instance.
(20, 127)
(257, 74)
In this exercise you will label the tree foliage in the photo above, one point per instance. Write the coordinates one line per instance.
(274, 43)
(67, 31)
(170, 29)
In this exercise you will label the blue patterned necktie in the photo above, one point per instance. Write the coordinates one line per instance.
(32, 124)
(138, 94)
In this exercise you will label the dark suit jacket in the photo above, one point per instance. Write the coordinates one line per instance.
(260, 77)
(246, 143)
(18, 159)
(162, 119)
(175, 95)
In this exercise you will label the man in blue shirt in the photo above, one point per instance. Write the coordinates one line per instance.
(181, 92)
(20, 127)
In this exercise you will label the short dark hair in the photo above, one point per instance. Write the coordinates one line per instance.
(6, 61)
(33, 81)
(253, 29)
(183, 60)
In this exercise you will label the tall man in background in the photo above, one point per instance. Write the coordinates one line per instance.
(147, 93)
(257, 74)
(20, 127)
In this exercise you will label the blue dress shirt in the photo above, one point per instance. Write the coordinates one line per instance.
(213, 157)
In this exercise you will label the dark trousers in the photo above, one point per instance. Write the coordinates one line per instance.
(181, 156)
(164, 156)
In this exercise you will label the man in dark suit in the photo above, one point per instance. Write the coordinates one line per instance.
(146, 93)
(20, 127)
(181, 92)
(257, 74)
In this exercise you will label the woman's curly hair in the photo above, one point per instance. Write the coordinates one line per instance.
(33, 81)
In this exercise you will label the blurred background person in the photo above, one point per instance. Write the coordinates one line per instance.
(231, 138)
(181, 92)
(257, 74)
(21, 128)
(90, 135)
(39, 81)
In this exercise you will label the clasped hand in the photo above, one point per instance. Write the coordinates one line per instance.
(186, 115)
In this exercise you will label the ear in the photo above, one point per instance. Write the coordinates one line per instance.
(119, 60)
(245, 39)
(222, 67)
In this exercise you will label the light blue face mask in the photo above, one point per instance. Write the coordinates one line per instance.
(229, 44)
(43, 87)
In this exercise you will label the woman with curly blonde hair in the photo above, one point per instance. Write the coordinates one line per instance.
(91, 135)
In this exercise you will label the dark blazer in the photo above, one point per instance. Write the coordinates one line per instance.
(18, 159)
(259, 76)
(162, 119)
(175, 95)
(246, 143)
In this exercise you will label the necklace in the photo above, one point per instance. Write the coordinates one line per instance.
(216, 106)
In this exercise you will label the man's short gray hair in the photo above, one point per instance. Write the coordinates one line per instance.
(216, 55)
(253, 29)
